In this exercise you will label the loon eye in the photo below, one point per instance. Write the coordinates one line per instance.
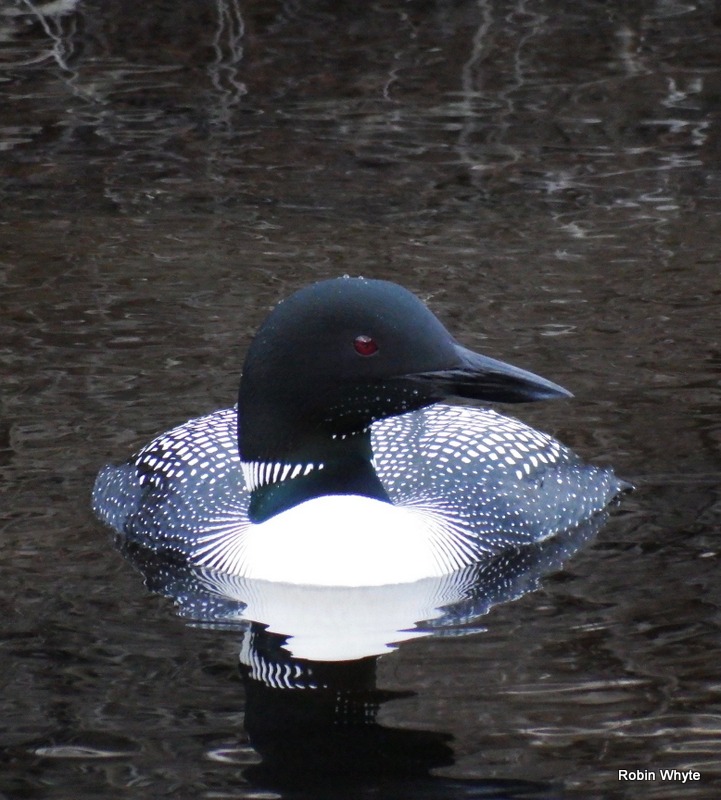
(365, 345)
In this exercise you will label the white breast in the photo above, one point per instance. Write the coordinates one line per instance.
(340, 540)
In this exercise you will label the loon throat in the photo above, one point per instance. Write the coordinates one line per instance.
(295, 465)
(276, 486)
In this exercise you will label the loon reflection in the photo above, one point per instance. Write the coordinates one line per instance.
(322, 738)
(308, 659)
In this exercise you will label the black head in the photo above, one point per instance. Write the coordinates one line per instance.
(340, 354)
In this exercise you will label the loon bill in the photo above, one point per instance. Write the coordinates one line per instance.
(342, 466)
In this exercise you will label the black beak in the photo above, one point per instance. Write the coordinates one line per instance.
(478, 377)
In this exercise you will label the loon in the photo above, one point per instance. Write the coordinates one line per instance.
(342, 466)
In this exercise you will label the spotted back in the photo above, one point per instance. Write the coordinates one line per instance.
(498, 480)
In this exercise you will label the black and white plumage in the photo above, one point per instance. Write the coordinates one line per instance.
(363, 478)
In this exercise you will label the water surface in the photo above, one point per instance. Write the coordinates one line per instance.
(548, 179)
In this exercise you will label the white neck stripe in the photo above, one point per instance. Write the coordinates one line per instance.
(262, 473)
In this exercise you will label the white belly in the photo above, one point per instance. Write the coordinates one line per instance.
(340, 540)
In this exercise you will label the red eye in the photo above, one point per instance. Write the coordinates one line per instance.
(365, 345)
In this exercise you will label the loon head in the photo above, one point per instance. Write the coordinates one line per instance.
(332, 359)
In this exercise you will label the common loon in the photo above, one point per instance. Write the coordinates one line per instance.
(341, 467)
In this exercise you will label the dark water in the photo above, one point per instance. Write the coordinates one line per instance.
(548, 177)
